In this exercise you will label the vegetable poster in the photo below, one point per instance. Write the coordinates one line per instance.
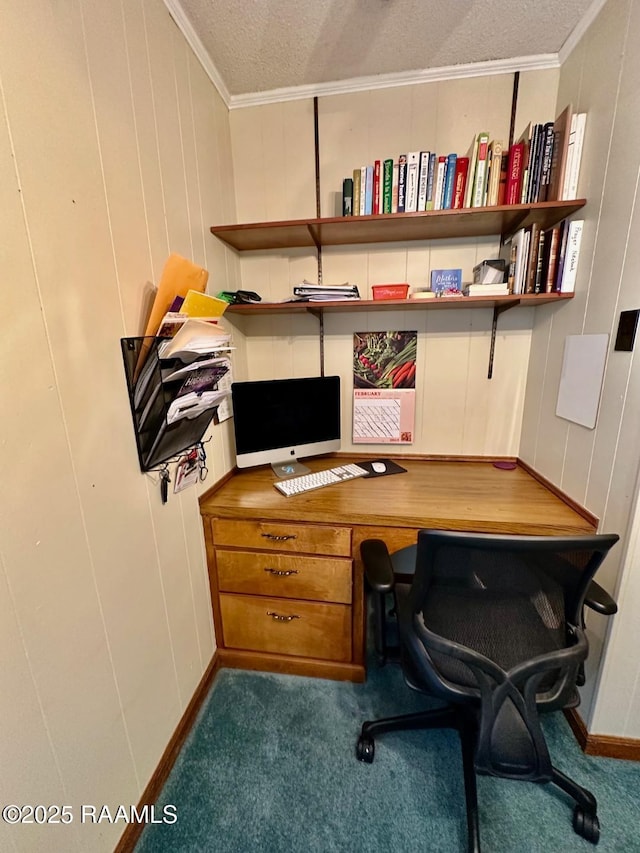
(384, 387)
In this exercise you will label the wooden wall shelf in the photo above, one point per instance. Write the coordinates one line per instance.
(500, 302)
(394, 227)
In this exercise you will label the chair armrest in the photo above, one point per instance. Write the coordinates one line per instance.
(599, 600)
(378, 568)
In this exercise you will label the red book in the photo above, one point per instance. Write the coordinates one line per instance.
(376, 187)
(514, 174)
(460, 182)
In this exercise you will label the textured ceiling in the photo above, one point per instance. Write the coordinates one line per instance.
(262, 45)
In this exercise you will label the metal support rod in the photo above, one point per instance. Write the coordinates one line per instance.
(319, 313)
(497, 311)
(514, 107)
(316, 141)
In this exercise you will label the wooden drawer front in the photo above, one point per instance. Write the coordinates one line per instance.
(316, 631)
(288, 575)
(283, 536)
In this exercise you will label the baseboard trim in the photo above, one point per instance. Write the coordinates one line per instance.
(605, 746)
(160, 775)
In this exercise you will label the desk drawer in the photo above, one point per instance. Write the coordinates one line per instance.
(288, 627)
(287, 575)
(283, 536)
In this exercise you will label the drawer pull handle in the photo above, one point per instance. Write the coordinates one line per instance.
(278, 538)
(281, 573)
(278, 618)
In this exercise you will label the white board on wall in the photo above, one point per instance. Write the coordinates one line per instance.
(581, 378)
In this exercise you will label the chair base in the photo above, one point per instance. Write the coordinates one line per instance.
(585, 820)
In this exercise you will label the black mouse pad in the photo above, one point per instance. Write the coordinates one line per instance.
(392, 468)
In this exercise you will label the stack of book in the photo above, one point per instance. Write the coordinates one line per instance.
(543, 165)
(307, 292)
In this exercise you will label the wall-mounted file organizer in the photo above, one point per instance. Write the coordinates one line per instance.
(150, 397)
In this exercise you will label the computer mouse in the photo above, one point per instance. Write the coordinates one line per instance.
(379, 467)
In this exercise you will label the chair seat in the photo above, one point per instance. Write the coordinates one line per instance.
(483, 620)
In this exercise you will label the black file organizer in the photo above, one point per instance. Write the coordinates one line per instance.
(156, 440)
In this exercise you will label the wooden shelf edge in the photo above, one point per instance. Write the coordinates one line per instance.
(392, 227)
(524, 300)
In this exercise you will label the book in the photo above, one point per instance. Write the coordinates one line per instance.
(460, 182)
(513, 187)
(472, 154)
(449, 175)
(536, 164)
(562, 249)
(551, 260)
(576, 143)
(423, 180)
(394, 187)
(376, 187)
(443, 281)
(497, 289)
(439, 183)
(542, 261)
(572, 254)
(525, 140)
(519, 242)
(493, 184)
(532, 259)
(480, 171)
(356, 192)
(347, 197)
(411, 197)
(363, 190)
(433, 160)
(502, 183)
(387, 185)
(368, 198)
(561, 129)
(402, 183)
(547, 153)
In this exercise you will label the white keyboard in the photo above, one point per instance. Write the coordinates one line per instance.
(307, 482)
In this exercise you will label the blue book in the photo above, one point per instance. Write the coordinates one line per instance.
(443, 281)
(368, 199)
(447, 196)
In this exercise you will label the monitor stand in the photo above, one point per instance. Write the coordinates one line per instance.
(291, 468)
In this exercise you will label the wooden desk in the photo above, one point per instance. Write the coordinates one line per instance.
(286, 575)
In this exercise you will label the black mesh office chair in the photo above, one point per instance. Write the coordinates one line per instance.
(492, 624)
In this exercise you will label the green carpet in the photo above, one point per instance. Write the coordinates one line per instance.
(270, 766)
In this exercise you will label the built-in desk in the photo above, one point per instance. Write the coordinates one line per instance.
(285, 573)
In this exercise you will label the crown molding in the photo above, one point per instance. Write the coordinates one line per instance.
(184, 25)
(403, 78)
(360, 84)
(583, 25)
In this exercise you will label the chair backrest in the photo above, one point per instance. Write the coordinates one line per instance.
(496, 621)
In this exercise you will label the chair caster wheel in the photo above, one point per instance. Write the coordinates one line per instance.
(365, 749)
(586, 824)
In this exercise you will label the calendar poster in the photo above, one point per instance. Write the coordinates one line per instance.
(384, 387)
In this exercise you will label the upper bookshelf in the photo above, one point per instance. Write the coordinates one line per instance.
(394, 227)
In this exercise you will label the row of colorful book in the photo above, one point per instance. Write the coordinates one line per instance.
(542, 165)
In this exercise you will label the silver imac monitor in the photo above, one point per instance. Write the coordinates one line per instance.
(278, 421)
